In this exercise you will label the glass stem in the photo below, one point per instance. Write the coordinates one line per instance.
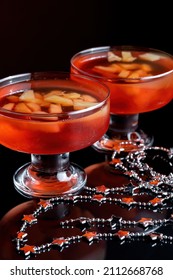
(50, 164)
(123, 124)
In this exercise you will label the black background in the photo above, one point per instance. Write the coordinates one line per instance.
(43, 35)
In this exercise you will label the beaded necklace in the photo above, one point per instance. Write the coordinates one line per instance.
(143, 180)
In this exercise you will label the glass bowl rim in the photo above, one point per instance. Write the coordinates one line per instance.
(6, 81)
(107, 48)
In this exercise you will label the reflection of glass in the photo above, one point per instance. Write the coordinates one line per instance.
(49, 115)
(140, 80)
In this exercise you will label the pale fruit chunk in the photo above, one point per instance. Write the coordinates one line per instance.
(22, 108)
(28, 96)
(146, 67)
(129, 66)
(138, 74)
(55, 108)
(9, 106)
(54, 102)
(127, 56)
(59, 100)
(124, 74)
(113, 57)
(38, 95)
(117, 67)
(101, 69)
(54, 92)
(45, 104)
(33, 106)
(72, 95)
(150, 56)
(80, 104)
(113, 68)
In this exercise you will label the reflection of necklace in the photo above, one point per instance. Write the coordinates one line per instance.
(143, 180)
(114, 223)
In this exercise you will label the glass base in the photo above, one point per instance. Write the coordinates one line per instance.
(123, 135)
(133, 141)
(31, 182)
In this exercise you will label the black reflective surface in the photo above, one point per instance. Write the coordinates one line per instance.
(13, 206)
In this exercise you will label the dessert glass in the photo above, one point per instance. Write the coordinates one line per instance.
(49, 115)
(140, 80)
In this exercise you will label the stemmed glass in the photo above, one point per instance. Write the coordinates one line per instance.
(140, 80)
(49, 115)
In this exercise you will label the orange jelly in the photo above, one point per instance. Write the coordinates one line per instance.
(51, 117)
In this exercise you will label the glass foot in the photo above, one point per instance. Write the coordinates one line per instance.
(123, 135)
(35, 179)
(133, 141)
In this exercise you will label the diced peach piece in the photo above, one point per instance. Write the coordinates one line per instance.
(45, 104)
(149, 56)
(89, 98)
(113, 68)
(124, 74)
(27, 96)
(101, 69)
(59, 100)
(33, 106)
(113, 57)
(22, 108)
(77, 99)
(9, 106)
(13, 98)
(55, 108)
(54, 92)
(72, 95)
(127, 56)
(146, 67)
(134, 75)
(80, 104)
(101, 72)
(117, 67)
(137, 74)
(129, 66)
(38, 95)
